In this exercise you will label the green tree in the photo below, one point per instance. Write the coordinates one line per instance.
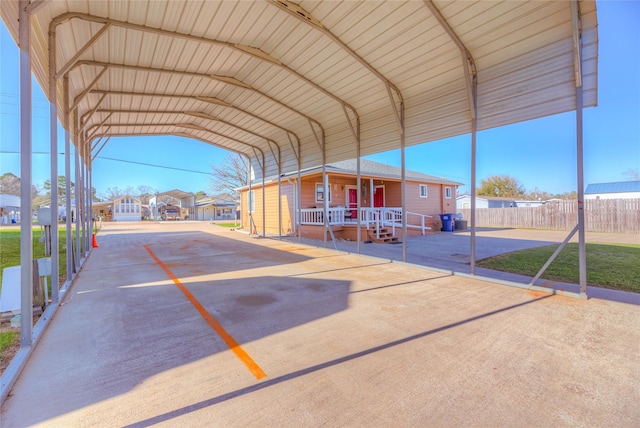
(62, 188)
(573, 195)
(200, 194)
(501, 185)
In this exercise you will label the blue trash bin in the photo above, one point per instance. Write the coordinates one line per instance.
(448, 223)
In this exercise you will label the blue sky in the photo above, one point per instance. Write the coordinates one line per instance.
(539, 153)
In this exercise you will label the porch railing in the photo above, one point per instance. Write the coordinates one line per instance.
(371, 218)
(315, 216)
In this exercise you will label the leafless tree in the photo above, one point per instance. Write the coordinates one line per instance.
(632, 174)
(229, 175)
(10, 185)
(115, 192)
(144, 193)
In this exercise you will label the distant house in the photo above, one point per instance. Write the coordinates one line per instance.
(380, 201)
(619, 190)
(127, 208)
(215, 209)
(103, 209)
(464, 202)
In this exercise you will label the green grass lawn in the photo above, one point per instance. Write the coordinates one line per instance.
(227, 224)
(10, 248)
(615, 266)
(7, 338)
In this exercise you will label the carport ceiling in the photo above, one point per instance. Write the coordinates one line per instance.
(285, 82)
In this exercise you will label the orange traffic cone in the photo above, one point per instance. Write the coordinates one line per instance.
(95, 243)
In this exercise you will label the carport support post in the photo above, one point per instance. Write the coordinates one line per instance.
(325, 211)
(474, 132)
(89, 200)
(85, 202)
(298, 201)
(26, 234)
(577, 64)
(582, 248)
(67, 173)
(77, 193)
(403, 175)
(53, 135)
(251, 201)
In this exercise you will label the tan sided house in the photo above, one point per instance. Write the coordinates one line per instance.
(380, 202)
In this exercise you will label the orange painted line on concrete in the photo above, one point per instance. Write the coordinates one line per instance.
(228, 339)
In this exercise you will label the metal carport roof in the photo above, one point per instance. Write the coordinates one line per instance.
(261, 77)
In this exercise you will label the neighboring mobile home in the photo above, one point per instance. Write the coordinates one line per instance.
(208, 209)
(619, 190)
(464, 202)
(380, 201)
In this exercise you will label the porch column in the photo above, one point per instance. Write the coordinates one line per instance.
(371, 192)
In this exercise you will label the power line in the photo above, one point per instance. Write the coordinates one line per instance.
(155, 166)
(123, 161)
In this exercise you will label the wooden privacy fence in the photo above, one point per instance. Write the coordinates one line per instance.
(603, 215)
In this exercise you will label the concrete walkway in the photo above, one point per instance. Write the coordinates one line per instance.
(190, 324)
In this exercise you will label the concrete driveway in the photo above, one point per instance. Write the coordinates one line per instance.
(451, 252)
(190, 324)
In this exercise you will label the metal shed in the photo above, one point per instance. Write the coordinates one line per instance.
(295, 85)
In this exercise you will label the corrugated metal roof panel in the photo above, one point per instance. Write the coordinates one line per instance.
(291, 72)
(618, 187)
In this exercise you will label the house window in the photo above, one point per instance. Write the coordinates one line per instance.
(117, 209)
(251, 197)
(424, 192)
(447, 192)
(320, 192)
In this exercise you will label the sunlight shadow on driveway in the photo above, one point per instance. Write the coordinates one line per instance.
(275, 381)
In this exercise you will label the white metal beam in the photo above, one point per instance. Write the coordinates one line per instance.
(26, 234)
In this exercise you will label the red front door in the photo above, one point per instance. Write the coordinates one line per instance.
(353, 203)
(378, 198)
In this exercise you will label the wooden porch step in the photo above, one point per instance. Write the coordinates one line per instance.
(386, 237)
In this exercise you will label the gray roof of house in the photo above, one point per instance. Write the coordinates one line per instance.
(215, 201)
(377, 169)
(619, 187)
(372, 169)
